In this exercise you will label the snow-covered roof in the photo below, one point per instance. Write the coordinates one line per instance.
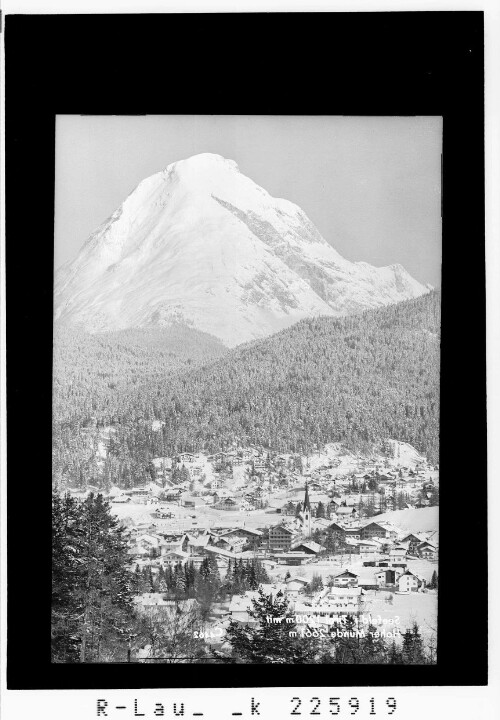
(349, 592)
(221, 551)
(345, 572)
(314, 546)
(298, 579)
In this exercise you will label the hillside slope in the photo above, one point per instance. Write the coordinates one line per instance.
(355, 380)
(97, 375)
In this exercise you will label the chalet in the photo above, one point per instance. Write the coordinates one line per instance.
(221, 554)
(413, 542)
(173, 557)
(187, 458)
(296, 585)
(172, 494)
(309, 548)
(368, 546)
(216, 483)
(336, 529)
(149, 543)
(249, 536)
(409, 582)
(427, 551)
(121, 499)
(235, 545)
(350, 546)
(398, 552)
(192, 500)
(195, 544)
(344, 511)
(345, 579)
(281, 538)
(226, 503)
(334, 604)
(373, 530)
(222, 494)
(383, 478)
(352, 533)
(138, 495)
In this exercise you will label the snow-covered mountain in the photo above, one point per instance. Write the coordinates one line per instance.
(201, 244)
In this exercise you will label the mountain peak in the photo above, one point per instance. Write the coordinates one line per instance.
(204, 161)
(200, 243)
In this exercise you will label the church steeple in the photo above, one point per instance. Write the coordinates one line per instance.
(306, 515)
(307, 504)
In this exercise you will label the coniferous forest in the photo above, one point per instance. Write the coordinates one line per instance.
(355, 380)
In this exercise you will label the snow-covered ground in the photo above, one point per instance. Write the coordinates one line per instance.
(405, 609)
(412, 520)
(405, 455)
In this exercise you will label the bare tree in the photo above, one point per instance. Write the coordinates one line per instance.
(173, 633)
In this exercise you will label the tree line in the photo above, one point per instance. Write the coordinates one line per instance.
(356, 380)
(94, 618)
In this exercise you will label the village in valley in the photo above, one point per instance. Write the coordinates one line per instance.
(340, 534)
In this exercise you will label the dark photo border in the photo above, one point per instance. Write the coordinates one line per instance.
(410, 63)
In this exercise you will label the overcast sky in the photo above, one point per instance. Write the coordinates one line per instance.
(372, 186)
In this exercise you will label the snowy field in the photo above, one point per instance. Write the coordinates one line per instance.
(413, 520)
(408, 520)
(404, 455)
(204, 516)
(406, 608)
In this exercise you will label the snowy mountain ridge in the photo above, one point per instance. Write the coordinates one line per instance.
(201, 244)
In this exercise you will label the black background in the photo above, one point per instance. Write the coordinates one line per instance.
(336, 64)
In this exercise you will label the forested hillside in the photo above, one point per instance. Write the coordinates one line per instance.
(99, 375)
(356, 380)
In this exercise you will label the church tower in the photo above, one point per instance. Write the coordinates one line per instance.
(306, 514)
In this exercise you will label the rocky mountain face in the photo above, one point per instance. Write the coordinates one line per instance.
(202, 245)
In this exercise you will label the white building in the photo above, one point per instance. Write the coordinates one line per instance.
(409, 582)
(332, 605)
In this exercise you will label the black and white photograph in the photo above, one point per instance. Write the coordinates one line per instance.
(246, 389)
(245, 322)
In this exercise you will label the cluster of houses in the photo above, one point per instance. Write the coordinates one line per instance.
(327, 606)
(287, 543)
(345, 595)
(251, 478)
(149, 546)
